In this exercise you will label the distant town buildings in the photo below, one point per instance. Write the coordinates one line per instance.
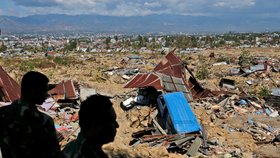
(42, 44)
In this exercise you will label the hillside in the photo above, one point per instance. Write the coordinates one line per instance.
(59, 23)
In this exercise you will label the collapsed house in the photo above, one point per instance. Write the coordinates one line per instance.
(66, 92)
(173, 120)
(170, 75)
(260, 65)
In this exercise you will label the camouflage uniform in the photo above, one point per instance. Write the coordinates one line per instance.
(26, 132)
(79, 148)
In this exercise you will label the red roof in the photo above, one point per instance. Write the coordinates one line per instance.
(70, 90)
(64, 90)
(171, 65)
(9, 87)
(145, 80)
(169, 75)
(51, 53)
(160, 82)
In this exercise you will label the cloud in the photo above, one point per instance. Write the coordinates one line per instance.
(152, 4)
(146, 7)
(132, 9)
(35, 3)
(234, 4)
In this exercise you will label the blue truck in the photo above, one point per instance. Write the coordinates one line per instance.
(176, 115)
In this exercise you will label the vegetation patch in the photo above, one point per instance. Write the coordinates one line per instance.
(64, 61)
(245, 58)
(264, 92)
(202, 73)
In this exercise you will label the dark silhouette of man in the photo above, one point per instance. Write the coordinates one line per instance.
(26, 132)
(97, 120)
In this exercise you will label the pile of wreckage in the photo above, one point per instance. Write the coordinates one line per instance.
(62, 104)
(166, 99)
(171, 92)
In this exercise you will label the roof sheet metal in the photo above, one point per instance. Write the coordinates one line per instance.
(9, 87)
(275, 91)
(160, 82)
(174, 84)
(64, 90)
(181, 114)
(70, 92)
(58, 92)
(138, 78)
(259, 67)
(145, 80)
(149, 80)
(170, 65)
(192, 151)
(173, 66)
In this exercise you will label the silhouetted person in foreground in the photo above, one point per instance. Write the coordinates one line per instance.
(97, 120)
(25, 132)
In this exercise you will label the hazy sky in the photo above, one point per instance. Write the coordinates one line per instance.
(230, 8)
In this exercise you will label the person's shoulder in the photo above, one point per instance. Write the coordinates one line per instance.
(4, 109)
(71, 148)
(8, 110)
(71, 145)
(47, 118)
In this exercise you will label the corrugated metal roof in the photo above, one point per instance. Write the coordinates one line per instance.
(192, 151)
(145, 80)
(64, 90)
(174, 84)
(181, 114)
(70, 90)
(171, 65)
(259, 67)
(160, 82)
(58, 89)
(9, 87)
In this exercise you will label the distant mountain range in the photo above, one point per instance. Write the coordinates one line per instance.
(136, 24)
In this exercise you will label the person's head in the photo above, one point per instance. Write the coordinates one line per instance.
(34, 87)
(97, 120)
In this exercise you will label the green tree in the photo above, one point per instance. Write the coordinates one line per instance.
(71, 45)
(169, 41)
(245, 58)
(209, 41)
(3, 48)
(193, 42)
(107, 42)
(116, 38)
(182, 41)
(142, 41)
